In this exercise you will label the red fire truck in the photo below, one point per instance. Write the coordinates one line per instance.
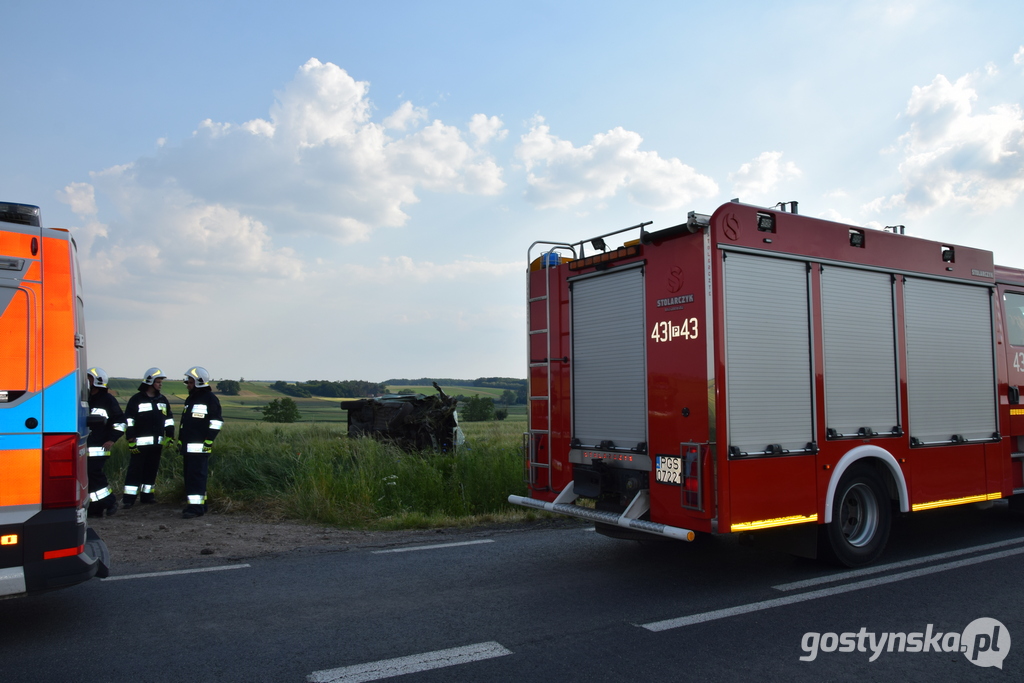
(759, 369)
(44, 541)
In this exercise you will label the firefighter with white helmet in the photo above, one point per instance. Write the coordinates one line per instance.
(150, 423)
(200, 424)
(102, 501)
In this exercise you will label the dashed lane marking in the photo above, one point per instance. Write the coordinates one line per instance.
(434, 546)
(176, 571)
(387, 668)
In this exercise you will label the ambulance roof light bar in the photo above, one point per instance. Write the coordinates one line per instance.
(23, 214)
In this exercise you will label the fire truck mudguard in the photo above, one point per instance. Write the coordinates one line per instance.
(44, 540)
(756, 369)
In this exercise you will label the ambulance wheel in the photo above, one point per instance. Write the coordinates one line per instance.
(861, 516)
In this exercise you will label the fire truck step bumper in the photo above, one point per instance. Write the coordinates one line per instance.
(564, 505)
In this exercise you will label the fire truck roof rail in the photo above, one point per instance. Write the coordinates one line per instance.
(553, 246)
(598, 242)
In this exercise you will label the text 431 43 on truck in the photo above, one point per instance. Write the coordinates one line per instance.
(44, 541)
(756, 370)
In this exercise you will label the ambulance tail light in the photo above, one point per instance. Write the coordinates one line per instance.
(65, 475)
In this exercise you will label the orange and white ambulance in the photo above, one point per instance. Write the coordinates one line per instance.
(44, 540)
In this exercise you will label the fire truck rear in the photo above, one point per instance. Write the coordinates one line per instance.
(760, 371)
(44, 541)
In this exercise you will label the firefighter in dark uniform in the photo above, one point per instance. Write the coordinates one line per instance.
(102, 501)
(200, 424)
(150, 421)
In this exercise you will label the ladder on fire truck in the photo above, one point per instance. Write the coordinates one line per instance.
(536, 441)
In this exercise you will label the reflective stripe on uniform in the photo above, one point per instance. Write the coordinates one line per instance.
(169, 422)
(194, 448)
(131, 421)
(97, 451)
(100, 411)
(216, 424)
(147, 488)
(144, 441)
(130, 490)
(162, 407)
(200, 410)
(145, 407)
(99, 495)
(196, 500)
(120, 427)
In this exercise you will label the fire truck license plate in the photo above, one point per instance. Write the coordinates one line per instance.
(668, 469)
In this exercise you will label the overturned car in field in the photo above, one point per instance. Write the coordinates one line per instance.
(412, 422)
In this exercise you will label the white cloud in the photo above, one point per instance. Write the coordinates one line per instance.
(612, 162)
(405, 117)
(954, 156)
(1018, 58)
(319, 164)
(762, 175)
(485, 128)
(80, 197)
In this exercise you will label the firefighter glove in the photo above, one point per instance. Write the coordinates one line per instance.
(208, 446)
(171, 443)
(133, 448)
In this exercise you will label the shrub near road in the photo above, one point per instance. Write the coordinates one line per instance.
(317, 474)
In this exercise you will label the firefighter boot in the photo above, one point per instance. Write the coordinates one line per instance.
(109, 505)
(192, 511)
(127, 502)
(147, 499)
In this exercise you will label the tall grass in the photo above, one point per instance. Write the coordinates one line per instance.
(315, 473)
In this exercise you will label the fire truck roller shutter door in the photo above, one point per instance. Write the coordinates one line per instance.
(768, 356)
(950, 366)
(861, 380)
(608, 361)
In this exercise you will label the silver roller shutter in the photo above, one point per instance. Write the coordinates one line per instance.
(950, 368)
(860, 351)
(768, 360)
(608, 363)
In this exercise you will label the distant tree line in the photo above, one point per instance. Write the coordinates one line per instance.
(516, 386)
(352, 388)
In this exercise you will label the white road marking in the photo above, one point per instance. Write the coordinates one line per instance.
(823, 593)
(386, 668)
(796, 585)
(431, 547)
(176, 571)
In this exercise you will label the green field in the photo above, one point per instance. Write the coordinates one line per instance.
(315, 473)
(253, 396)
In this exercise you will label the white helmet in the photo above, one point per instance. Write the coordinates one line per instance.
(152, 375)
(200, 375)
(99, 377)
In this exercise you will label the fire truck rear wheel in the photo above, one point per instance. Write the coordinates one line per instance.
(861, 516)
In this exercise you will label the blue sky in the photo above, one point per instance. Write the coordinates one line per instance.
(347, 190)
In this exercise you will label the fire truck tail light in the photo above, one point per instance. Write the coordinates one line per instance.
(63, 471)
(691, 494)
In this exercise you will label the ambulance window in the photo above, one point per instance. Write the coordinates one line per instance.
(14, 340)
(1014, 307)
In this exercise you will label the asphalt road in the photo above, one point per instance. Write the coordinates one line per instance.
(546, 605)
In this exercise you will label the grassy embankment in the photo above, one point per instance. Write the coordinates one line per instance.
(313, 472)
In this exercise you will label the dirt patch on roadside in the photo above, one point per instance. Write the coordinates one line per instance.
(156, 538)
